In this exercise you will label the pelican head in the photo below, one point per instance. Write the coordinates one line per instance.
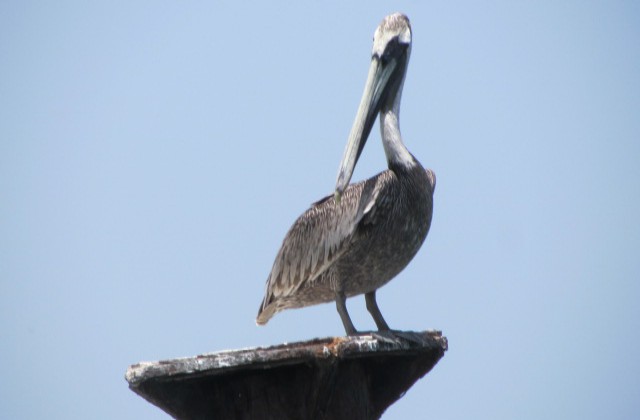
(389, 59)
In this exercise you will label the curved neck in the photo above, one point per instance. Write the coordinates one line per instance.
(395, 150)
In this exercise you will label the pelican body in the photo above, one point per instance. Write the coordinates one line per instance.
(356, 240)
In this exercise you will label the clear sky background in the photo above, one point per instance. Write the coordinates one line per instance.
(153, 155)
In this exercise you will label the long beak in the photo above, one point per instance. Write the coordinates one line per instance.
(374, 92)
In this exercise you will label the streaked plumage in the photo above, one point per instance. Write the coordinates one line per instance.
(357, 240)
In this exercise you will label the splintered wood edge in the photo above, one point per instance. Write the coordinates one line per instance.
(283, 354)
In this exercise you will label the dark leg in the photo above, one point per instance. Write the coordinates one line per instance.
(341, 304)
(372, 307)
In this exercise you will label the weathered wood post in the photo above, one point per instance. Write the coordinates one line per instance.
(355, 377)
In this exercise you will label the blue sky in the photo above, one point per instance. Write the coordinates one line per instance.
(154, 154)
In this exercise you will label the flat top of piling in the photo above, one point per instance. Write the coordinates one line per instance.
(383, 365)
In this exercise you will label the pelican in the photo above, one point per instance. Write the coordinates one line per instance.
(354, 241)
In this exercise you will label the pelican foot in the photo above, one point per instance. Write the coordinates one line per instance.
(397, 337)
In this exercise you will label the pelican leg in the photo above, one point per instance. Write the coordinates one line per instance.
(341, 305)
(372, 307)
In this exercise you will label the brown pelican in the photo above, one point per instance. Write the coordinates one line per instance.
(358, 239)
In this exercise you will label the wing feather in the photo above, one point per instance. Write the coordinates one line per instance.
(316, 240)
